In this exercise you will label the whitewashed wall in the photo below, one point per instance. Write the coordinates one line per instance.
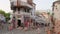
(57, 17)
(24, 0)
(57, 11)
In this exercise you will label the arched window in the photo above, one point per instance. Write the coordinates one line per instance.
(42, 24)
(45, 25)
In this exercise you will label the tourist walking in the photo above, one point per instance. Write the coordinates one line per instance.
(26, 24)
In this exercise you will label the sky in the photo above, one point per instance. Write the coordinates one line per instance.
(40, 5)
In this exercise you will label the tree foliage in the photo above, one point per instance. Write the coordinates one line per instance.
(2, 12)
(7, 15)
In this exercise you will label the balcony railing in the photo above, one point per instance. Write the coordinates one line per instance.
(22, 13)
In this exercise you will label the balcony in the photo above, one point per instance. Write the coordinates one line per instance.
(20, 4)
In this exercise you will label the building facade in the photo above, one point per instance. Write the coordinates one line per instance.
(56, 17)
(22, 10)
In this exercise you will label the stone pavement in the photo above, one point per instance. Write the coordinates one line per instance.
(17, 31)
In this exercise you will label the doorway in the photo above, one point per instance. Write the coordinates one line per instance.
(19, 23)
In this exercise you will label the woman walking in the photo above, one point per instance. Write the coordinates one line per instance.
(26, 25)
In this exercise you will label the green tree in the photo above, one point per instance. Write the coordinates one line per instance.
(7, 15)
(2, 12)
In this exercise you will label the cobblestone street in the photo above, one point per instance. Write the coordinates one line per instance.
(17, 31)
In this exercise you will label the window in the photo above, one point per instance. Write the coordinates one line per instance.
(56, 6)
(28, 10)
(42, 24)
(45, 25)
(18, 9)
(25, 10)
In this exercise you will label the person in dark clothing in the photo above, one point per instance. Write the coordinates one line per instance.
(13, 21)
(19, 23)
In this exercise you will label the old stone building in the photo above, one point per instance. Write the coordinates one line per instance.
(22, 10)
(56, 16)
